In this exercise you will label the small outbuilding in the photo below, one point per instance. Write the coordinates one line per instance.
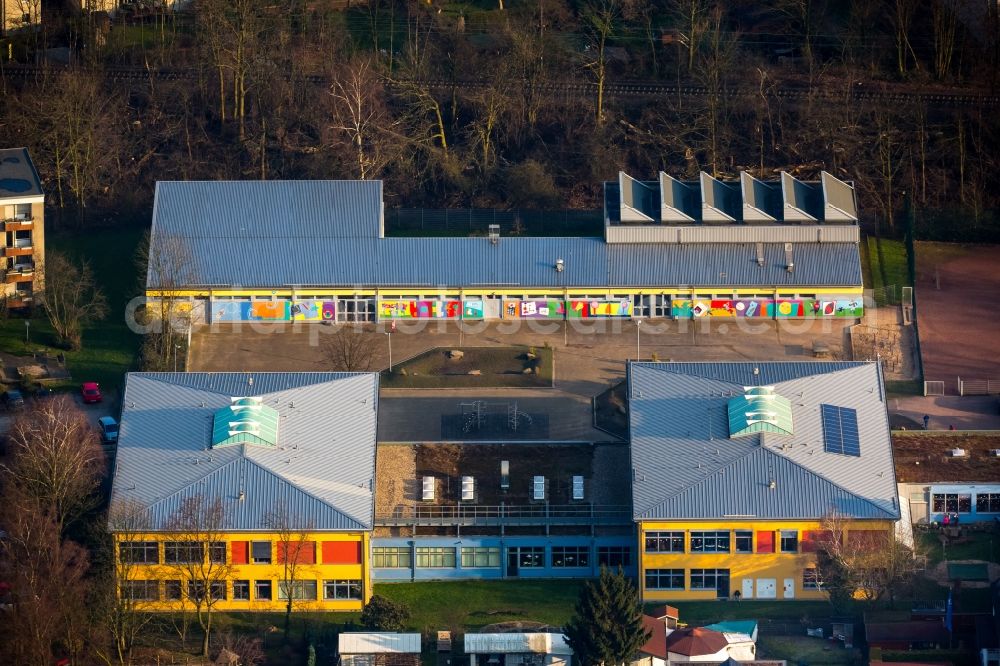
(378, 649)
(518, 649)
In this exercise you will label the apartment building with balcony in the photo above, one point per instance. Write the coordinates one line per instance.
(22, 205)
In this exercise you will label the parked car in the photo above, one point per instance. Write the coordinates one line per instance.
(41, 392)
(12, 399)
(109, 429)
(91, 392)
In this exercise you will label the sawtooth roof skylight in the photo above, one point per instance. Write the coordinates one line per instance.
(245, 421)
(759, 409)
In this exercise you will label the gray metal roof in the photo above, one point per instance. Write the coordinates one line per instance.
(18, 178)
(269, 209)
(322, 468)
(686, 466)
(269, 234)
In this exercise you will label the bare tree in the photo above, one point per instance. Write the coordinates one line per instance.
(165, 263)
(853, 560)
(55, 459)
(692, 16)
(601, 17)
(126, 614)
(349, 349)
(296, 553)
(359, 113)
(71, 298)
(199, 557)
(945, 20)
(902, 21)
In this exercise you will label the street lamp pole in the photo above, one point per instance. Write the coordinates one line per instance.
(388, 334)
(177, 348)
(27, 327)
(638, 326)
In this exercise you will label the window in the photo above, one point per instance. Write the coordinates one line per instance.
(988, 503)
(952, 503)
(241, 590)
(342, 589)
(240, 551)
(22, 211)
(614, 556)
(531, 557)
(391, 557)
(765, 542)
(480, 558)
(182, 552)
(141, 590)
(196, 590)
(664, 579)
(341, 552)
(709, 579)
(171, 590)
(744, 541)
(789, 541)
(664, 542)
(436, 557)
(570, 556)
(811, 579)
(217, 552)
(302, 590)
(140, 552)
(710, 542)
(260, 552)
(262, 590)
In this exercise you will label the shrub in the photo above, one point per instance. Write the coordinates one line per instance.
(382, 614)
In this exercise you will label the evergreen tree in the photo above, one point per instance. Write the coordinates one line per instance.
(606, 629)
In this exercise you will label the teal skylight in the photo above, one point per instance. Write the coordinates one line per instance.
(245, 421)
(759, 409)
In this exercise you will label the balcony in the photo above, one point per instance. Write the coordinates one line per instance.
(16, 224)
(19, 251)
(20, 274)
(474, 515)
(19, 299)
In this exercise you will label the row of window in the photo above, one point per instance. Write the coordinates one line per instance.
(962, 502)
(738, 541)
(488, 557)
(243, 552)
(711, 579)
(262, 590)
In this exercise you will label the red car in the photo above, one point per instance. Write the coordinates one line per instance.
(91, 392)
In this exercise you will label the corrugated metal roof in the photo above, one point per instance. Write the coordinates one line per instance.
(325, 233)
(516, 643)
(322, 467)
(262, 209)
(678, 413)
(351, 642)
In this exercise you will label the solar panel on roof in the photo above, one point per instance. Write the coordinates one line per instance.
(840, 430)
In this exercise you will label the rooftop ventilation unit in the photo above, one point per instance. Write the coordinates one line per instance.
(577, 488)
(959, 453)
(468, 489)
(427, 494)
(538, 488)
(504, 474)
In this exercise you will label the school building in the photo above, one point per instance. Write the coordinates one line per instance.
(316, 250)
(247, 485)
(739, 467)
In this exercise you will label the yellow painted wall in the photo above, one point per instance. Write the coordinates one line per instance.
(777, 565)
(273, 572)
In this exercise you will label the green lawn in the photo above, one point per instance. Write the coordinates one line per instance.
(697, 613)
(468, 605)
(874, 273)
(893, 262)
(805, 650)
(500, 366)
(980, 546)
(109, 347)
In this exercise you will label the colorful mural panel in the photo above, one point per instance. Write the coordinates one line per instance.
(549, 309)
(849, 308)
(599, 308)
(429, 309)
(229, 310)
(270, 310)
(754, 307)
(472, 309)
(766, 308)
(314, 310)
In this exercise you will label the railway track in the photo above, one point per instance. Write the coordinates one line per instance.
(621, 89)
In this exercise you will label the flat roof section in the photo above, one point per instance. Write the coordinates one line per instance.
(18, 177)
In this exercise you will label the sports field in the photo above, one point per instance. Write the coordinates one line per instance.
(957, 287)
